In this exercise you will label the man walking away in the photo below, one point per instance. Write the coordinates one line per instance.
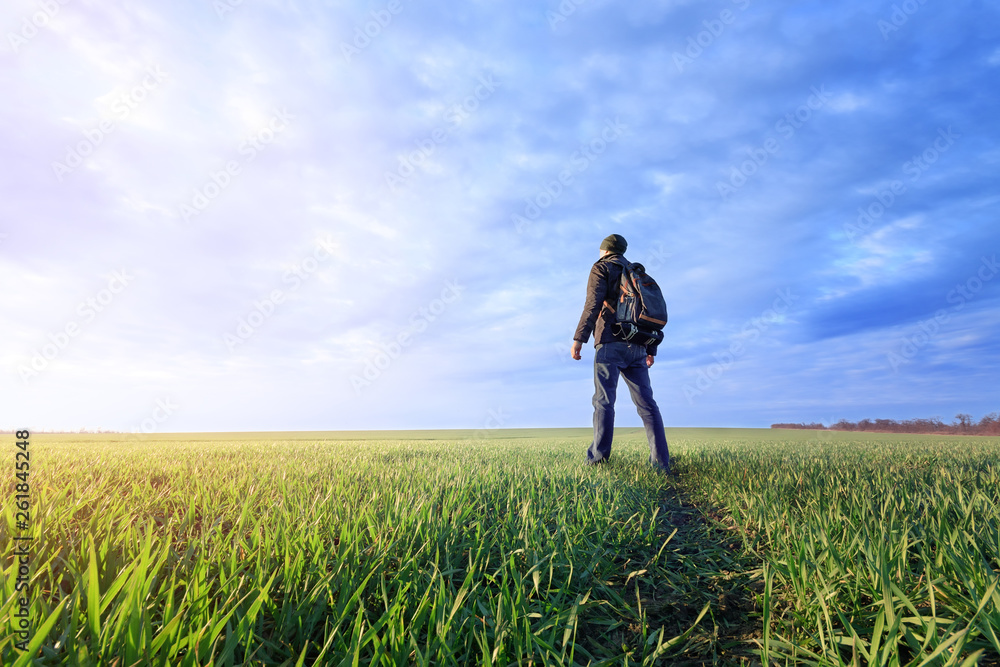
(612, 357)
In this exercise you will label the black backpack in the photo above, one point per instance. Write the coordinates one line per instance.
(641, 311)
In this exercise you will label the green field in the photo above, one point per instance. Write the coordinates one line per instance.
(442, 548)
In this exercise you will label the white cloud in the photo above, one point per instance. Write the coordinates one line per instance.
(325, 176)
(846, 102)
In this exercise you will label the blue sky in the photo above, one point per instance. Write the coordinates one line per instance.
(220, 215)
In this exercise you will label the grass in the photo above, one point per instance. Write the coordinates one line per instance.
(877, 549)
(439, 548)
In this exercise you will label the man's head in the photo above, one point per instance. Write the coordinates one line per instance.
(613, 244)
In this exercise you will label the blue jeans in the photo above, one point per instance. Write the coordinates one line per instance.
(629, 360)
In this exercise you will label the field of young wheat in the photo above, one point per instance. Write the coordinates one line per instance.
(440, 548)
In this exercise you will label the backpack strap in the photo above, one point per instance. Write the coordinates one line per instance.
(624, 264)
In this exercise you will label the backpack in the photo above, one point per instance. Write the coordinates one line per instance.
(641, 310)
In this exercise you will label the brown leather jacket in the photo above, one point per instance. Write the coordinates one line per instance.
(598, 318)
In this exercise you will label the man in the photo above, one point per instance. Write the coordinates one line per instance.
(612, 357)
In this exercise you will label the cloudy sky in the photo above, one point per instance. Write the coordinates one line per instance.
(299, 215)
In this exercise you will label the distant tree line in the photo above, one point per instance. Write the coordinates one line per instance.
(963, 425)
(56, 432)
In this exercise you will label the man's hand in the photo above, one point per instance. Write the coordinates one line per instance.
(649, 360)
(575, 350)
